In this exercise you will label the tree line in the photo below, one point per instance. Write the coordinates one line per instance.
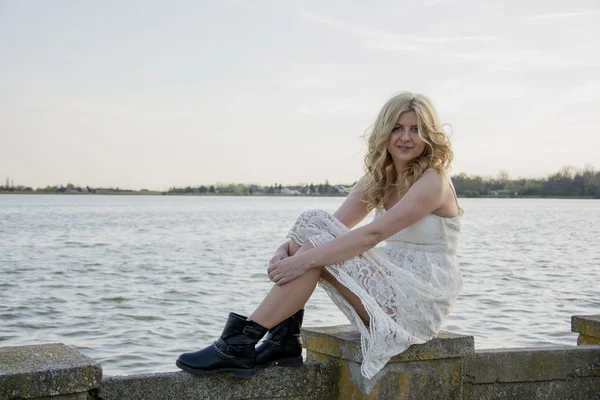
(248, 190)
(567, 182)
(69, 188)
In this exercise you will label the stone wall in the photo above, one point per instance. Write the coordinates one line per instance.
(434, 368)
(47, 371)
(588, 327)
(311, 381)
(447, 367)
(533, 373)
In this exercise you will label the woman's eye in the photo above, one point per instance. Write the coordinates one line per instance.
(415, 130)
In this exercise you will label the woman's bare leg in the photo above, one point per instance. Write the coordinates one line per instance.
(349, 296)
(293, 247)
(283, 301)
(344, 291)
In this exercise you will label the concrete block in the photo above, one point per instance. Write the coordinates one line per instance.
(432, 370)
(46, 370)
(572, 389)
(310, 381)
(588, 325)
(432, 380)
(585, 340)
(343, 341)
(531, 364)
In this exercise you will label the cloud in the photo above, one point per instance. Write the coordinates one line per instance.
(90, 106)
(454, 95)
(528, 59)
(540, 18)
(588, 92)
(249, 5)
(379, 40)
(338, 106)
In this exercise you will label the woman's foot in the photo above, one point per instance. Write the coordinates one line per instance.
(233, 352)
(283, 345)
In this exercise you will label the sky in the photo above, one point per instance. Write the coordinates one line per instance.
(155, 94)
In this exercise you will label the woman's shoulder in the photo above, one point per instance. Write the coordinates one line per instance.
(433, 177)
(435, 171)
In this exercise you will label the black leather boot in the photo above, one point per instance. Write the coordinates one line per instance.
(283, 345)
(233, 351)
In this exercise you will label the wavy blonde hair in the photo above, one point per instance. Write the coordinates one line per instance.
(380, 173)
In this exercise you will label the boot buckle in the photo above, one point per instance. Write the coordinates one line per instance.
(250, 331)
(225, 352)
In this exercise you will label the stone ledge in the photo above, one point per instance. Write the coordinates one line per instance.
(581, 389)
(310, 381)
(430, 379)
(584, 340)
(588, 325)
(531, 364)
(343, 341)
(46, 370)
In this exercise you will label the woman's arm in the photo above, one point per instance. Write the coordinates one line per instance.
(423, 197)
(284, 248)
(354, 208)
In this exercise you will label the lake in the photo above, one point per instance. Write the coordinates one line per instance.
(133, 281)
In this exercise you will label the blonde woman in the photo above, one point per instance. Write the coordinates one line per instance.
(395, 295)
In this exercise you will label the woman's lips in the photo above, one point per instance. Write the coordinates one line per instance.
(404, 148)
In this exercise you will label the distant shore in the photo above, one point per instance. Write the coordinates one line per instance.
(156, 193)
(568, 183)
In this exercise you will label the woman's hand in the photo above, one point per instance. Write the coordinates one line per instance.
(287, 270)
(279, 255)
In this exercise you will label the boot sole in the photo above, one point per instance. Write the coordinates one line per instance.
(237, 372)
(284, 362)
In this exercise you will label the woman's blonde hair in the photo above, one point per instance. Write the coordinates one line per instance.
(380, 174)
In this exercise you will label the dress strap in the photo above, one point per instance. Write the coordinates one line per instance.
(449, 181)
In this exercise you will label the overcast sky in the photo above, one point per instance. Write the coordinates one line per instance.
(153, 94)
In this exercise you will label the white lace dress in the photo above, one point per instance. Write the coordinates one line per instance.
(407, 286)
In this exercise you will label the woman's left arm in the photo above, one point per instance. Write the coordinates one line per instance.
(423, 197)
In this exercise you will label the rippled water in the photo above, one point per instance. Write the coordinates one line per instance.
(135, 281)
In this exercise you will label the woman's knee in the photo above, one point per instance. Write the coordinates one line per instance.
(315, 214)
(314, 211)
(293, 247)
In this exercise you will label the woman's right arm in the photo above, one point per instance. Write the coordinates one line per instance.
(284, 248)
(351, 212)
(354, 208)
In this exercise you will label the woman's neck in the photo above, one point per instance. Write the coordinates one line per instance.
(399, 165)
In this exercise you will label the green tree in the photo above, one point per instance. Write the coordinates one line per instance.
(239, 189)
(327, 187)
(588, 175)
(503, 176)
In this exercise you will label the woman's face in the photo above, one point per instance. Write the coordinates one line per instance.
(404, 143)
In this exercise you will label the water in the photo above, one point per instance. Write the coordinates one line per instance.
(133, 281)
